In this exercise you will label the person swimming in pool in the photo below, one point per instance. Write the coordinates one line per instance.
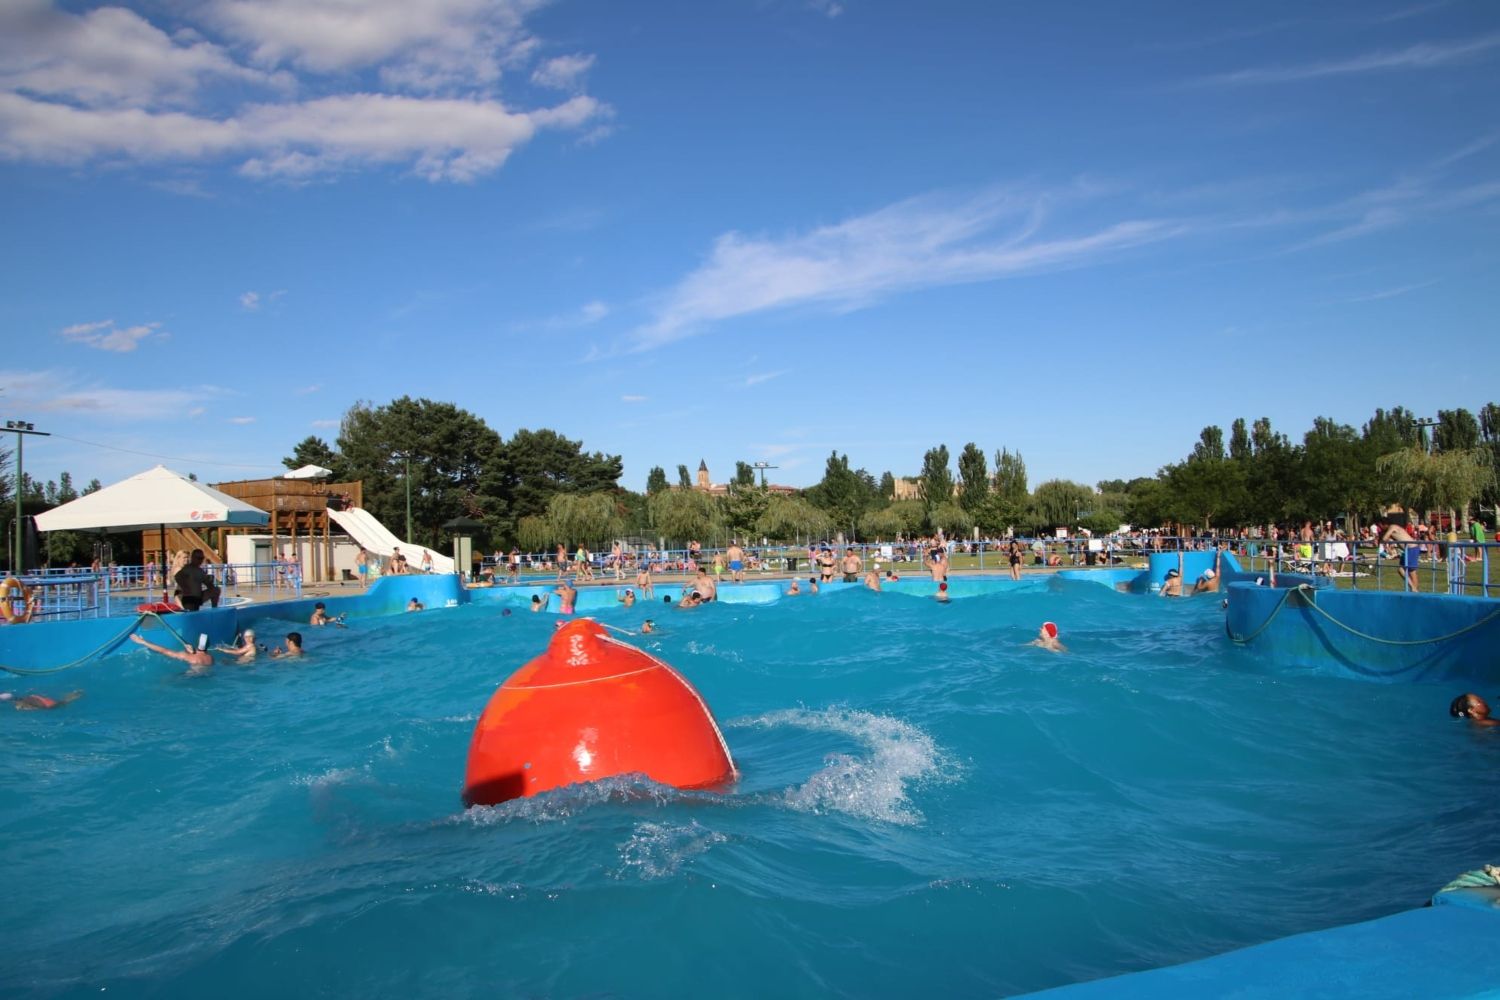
(292, 648)
(245, 651)
(648, 626)
(794, 590)
(1172, 585)
(415, 605)
(539, 601)
(320, 616)
(1474, 708)
(567, 594)
(1046, 638)
(690, 599)
(38, 702)
(872, 581)
(942, 593)
(627, 598)
(199, 660)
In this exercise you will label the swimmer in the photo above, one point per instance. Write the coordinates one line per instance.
(942, 593)
(39, 702)
(1474, 708)
(198, 660)
(690, 599)
(1208, 582)
(648, 626)
(245, 651)
(320, 616)
(627, 598)
(538, 602)
(794, 590)
(293, 646)
(872, 581)
(567, 594)
(1172, 585)
(707, 589)
(411, 605)
(1046, 638)
(812, 585)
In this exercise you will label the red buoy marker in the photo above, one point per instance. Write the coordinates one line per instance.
(588, 708)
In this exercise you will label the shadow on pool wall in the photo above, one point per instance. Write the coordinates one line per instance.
(1386, 636)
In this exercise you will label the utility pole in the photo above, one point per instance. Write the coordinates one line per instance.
(1422, 425)
(408, 499)
(20, 428)
(762, 466)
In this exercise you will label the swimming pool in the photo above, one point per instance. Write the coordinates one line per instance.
(927, 806)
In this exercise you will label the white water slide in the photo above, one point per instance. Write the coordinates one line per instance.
(376, 537)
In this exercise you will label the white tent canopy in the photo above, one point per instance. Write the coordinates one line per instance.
(157, 498)
(308, 472)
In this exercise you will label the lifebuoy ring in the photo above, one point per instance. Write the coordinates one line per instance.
(9, 587)
(157, 608)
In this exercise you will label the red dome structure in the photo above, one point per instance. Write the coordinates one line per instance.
(591, 707)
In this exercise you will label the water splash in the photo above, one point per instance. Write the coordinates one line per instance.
(873, 787)
(658, 850)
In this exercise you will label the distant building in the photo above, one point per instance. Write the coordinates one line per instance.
(907, 489)
(705, 484)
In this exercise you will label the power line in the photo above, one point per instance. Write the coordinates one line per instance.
(167, 458)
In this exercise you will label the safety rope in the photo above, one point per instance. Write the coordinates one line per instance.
(1307, 592)
(100, 650)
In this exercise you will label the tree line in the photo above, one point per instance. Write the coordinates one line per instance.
(539, 489)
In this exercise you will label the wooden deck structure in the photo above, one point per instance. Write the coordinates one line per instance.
(299, 513)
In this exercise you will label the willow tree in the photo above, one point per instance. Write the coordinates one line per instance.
(589, 519)
(533, 533)
(683, 515)
(790, 518)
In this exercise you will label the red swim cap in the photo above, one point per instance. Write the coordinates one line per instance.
(1050, 628)
(942, 586)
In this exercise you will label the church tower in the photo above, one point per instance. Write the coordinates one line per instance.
(703, 482)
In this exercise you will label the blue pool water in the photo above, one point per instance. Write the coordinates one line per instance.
(927, 806)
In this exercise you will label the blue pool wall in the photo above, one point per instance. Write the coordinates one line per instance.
(1398, 623)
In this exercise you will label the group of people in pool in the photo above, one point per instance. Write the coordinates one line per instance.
(200, 659)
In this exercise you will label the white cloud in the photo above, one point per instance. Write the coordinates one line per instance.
(920, 243)
(633, 399)
(442, 139)
(250, 301)
(64, 392)
(751, 380)
(109, 85)
(106, 336)
(239, 420)
(325, 424)
(564, 72)
(593, 312)
(109, 56)
(1424, 55)
(308, 390)
(828, 8)
(417, 43)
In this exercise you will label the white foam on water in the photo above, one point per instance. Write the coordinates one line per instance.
(871, 787)
(658, 850)
(334, 776)
(709, 649)
(561, 804)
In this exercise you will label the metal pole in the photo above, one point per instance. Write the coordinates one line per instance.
(16, 566)
(408, 499)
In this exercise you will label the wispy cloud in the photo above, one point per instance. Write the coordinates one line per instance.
(64, 392)
(239, 420)
(250, 301)
(1424, 55)
(106, 336)
(308, 390)
(921, 243)
(633, 399)
(1391, 293)
(762, 377)
(325, 424)
(564, 72)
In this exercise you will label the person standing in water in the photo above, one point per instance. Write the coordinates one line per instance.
(198, 660)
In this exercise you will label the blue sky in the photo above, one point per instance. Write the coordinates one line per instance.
(747, 229)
